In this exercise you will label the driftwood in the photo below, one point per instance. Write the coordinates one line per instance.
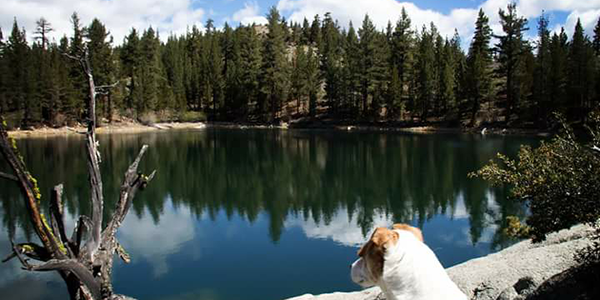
(85, 259)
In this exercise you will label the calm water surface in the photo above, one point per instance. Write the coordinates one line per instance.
(265, 214)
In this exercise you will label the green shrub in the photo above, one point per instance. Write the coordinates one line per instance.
(559, 180)
(192, 116)
(148, 118)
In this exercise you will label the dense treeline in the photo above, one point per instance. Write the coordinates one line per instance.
(286, 70)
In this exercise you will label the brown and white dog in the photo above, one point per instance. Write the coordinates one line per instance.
(403, 267)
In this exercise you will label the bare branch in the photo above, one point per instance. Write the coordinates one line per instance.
(596, 149)
(9, 176)
(73, 266)
(31, 250)
(28, 186)
(83, 225)
(56, 216)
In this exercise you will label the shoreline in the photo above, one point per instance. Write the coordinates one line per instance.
(522, 271)
(134, 127)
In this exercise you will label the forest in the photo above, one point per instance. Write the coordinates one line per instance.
(318, 70)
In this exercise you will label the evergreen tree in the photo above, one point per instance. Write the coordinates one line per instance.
(557, 74)
(231, 55)
(77, 78)
(275, 78)
(426, 72)
(402, 54)
(19, 79)
(581, 72)
(478, 82)
(510, 51)
(43, 27)
(173, 60)
(148, 73)
(597, 37)
(131, 57)
(100, 51)
(215, 68)
(313, 79)
(352, 69)
(251, 63)
(330, 57)
(367, 35)
(542, 71)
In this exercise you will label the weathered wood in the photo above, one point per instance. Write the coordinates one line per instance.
(87, 267)
(9, 177)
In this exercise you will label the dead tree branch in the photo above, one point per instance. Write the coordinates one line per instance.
(9, 177)
(87, 267)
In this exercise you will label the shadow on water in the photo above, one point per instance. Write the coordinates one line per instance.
(280, 194)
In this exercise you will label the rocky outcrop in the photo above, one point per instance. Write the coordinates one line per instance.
(511, 274)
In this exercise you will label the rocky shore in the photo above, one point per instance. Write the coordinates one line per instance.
(519, 272)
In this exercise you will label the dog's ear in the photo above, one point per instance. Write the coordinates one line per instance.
(363, 249)
(384, 237)
(414, 230)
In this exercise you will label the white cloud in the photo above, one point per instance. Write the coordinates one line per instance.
(155, 242)
(341, 229)
(119, 16)
(249, 14)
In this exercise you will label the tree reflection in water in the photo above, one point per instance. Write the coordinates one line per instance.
(297, 202)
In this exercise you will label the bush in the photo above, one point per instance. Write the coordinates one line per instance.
(192, 116)
(148, 118)
(559, 180)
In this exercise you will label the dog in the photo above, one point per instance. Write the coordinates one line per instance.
(398, 261)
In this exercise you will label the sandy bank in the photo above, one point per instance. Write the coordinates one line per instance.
(108, 129)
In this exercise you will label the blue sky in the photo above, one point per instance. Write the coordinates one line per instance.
(176, 16)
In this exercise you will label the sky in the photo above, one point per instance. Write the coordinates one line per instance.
(176, 16)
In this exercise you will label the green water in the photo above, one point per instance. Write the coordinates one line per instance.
(266, 214)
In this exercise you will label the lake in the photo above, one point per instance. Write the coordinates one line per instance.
(265, 214)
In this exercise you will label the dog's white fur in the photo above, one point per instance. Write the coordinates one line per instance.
(411, 271)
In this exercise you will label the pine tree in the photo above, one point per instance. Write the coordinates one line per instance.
(557, 74)
(275, 78)
(597, 37)
(331, 62)
(367, 35)
(581, 71)
(510, 50)
(173, 59)
(479, 60)
(542, 70)
(231, 54)
(402, 54)
(17, 53)
(215, 68)
(313, 79)
(131, 58)
(78, 78)
(251, 63)
(43, 27)
(100, 51)
(352, 69)
(426, 72)
(149, 73)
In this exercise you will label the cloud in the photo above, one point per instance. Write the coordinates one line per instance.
(155, 242)
(249, 14)
(119, 16)
(342, 229)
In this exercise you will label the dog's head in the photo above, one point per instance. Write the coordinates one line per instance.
(368, 268)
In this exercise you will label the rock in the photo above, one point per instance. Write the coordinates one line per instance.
(525, 286)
